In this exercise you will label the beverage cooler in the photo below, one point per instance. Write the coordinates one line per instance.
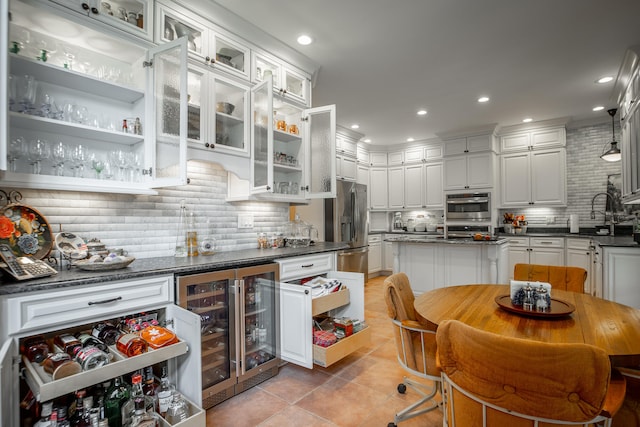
(238, 315)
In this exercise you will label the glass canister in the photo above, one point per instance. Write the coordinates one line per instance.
(207, 241)
(543, 300)
(529, 298)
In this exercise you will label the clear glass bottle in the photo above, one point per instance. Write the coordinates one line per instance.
(207, 240)
(181, 236)
(137, 396)
(164, 393)
(192, 234)
(178, 410)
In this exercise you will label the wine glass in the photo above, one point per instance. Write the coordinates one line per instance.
(13, 92)
(39, 150)
(17, 150)
(26, 93)
(98, 165)
(119, 159)
(60, 154)
(79, 157)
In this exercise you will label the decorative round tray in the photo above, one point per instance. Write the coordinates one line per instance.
(71, 245)
(25, 230)
(103, 266)
(559, 308)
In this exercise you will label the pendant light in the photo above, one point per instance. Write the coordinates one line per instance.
(613, 153)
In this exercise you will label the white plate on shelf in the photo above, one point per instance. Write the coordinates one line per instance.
(71, 245)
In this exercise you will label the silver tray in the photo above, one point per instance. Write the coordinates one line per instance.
(104, 266)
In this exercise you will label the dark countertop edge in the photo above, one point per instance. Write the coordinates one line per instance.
(499, 241)
(614, 241)
(147, 267)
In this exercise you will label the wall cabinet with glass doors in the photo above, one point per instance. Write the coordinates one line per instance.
(207, 43)
(218, 109)
(293, 149)
(289, 83)
(133, 16)
(83, 115)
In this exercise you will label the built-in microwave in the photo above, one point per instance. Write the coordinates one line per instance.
(468, 207)
(462, 231)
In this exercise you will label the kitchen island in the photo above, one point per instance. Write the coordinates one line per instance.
(432, 262)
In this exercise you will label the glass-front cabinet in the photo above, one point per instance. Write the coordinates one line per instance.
(289, 83)
(293, 149)
(218, 109)
(206, 41)
(83, 112)
(133, 16)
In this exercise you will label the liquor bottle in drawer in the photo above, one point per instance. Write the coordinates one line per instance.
(238, 336)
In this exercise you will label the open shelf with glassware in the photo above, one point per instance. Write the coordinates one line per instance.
(78, 106)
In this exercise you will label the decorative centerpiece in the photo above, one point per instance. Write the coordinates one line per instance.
(514, 224)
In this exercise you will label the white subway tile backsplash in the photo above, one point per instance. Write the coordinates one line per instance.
(146, 225)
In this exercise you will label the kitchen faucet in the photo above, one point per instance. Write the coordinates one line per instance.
(613, 211)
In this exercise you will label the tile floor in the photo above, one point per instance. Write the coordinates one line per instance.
(360, 390)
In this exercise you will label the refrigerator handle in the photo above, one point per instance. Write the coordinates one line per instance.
(355, 216)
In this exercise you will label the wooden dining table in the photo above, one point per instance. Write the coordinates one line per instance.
(606, 324)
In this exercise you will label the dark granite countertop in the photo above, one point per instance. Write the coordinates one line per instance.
(623, 241)
(146, 267)
(427, 239)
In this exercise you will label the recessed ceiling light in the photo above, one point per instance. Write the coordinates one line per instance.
(483, 99)
(355, 126)
(368, 140)
(527, 120)
(598, 108)
(304, 40)
(605, 79)
(410, 139)
(422, 112)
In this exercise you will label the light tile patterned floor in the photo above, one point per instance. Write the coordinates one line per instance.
(360, 390)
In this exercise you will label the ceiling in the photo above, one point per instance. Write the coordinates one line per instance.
(383, 60)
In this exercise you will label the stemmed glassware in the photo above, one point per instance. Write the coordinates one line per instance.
(39, 150)
(17, 150)
(97, 164)
(60, 154)
(120, 159)
(79, 157)
(26, 93)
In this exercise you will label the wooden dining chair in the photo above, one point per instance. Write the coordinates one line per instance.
(629, 413)
(416, 347)
(494, 380)
(560, 277)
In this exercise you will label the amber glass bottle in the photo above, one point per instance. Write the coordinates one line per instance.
(131, 345)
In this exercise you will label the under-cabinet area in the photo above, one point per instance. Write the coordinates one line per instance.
(316, 300)
(67, 344)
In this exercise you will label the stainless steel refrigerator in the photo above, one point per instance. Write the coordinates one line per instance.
(346, 219)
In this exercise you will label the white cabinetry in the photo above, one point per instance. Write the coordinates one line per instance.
(346, 168)
(315, 141)
(288, 81)
(297, 308)
(378, 158)
(534, 178)
(395, 158)
(470, 144)
(387, 255)
(135, 17)
(346, 149)
(533, 140)
(210, 126)
(362, 155)
(60, 309)
(414, 186)
(375, 254)
(535, 250)
(580, 254)
(207, 42)
(627, 93)
(621, 269)
(470, 171)
(378, 188)
(150, 85)
(396, 190)
(434, 177)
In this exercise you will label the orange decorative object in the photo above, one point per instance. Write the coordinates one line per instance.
(157, 336)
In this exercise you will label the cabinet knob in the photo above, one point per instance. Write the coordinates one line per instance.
(94, 10)
(85, 6)
(466, 151)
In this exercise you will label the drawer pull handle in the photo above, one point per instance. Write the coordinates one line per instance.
(107, 301)
(307, 266)
(546, 243)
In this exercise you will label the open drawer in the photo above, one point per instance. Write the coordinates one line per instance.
(327, 356)
(197, 417)
(329, 302)
(45, 388)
